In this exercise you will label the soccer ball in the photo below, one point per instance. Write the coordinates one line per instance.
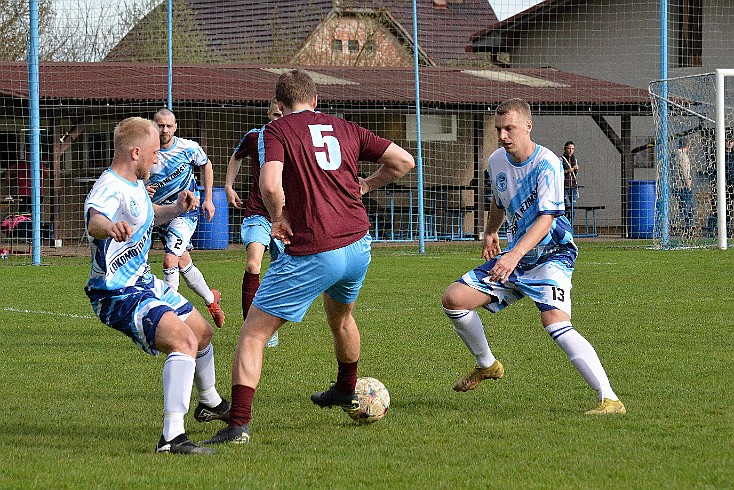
(374, 401)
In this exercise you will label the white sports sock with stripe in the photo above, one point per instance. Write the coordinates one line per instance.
(469, 328)
(178, 376)
(583, 357)
(171, 277)
(205, 378)
(195, 280)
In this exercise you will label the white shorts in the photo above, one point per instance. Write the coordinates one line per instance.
(548, 284)
(176, 234)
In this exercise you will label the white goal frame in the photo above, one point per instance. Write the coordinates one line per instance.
(718, 77)
(721, 75)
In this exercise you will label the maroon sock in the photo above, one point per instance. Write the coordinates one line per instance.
(250, 283)
(346, 376)
(240, 412)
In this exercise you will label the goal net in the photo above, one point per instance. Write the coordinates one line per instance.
(100, 62)
(694, 117)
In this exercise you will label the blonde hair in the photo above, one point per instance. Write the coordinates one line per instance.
(132, 132)
(517, 105)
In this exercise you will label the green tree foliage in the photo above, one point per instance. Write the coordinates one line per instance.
(14, 28)
(89, 30)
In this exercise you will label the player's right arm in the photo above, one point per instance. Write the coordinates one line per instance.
(233, 168)
(491, 244)
(100, 227)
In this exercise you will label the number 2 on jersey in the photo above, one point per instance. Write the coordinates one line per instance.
(331, 157)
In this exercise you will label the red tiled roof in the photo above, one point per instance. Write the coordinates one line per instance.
(267, 32)
(351, 85)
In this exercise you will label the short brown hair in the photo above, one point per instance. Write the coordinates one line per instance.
(517, 105)
(131, 132)
(293, 87)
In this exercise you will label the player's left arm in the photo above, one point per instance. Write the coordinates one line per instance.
(394, 163)
(207, 175)
(186, 201)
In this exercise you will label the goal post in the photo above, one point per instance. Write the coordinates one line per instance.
(693, 118)
(721, 132)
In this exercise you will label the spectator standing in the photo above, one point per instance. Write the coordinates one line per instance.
(683, 187)
(570, 182)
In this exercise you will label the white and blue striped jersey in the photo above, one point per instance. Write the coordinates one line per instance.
(174, 171)
(116, 265)
(526, 190)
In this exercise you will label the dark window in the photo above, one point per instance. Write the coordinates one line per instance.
(353, 45)
(336, 46)
(370, 47)
(690, 33)
(8, 149)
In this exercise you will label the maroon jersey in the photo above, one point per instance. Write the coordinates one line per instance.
(320, 155)
(249, 147)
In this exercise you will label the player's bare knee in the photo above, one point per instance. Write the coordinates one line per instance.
(205, 337)
(253, 267)
(190, 344)
(451, 299)
(170, 260)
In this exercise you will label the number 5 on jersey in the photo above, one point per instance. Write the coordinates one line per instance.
(330, 158)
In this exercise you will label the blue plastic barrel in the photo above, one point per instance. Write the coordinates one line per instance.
(641, 208)
(214, 234)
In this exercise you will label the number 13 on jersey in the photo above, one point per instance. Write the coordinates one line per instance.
(328, 150)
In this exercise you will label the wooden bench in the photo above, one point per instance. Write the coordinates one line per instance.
(589, 231)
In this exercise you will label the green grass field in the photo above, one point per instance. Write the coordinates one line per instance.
(82, 407)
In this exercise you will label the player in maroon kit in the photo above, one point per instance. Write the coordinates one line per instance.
(311, 188)
(255, 229)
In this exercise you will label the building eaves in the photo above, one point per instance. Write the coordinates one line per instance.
(355, 86)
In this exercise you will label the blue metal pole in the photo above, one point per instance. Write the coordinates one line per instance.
(419, 162)
(170, 55)
(662, 147)
(35, 131)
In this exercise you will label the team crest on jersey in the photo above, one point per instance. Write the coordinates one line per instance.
(501, 182)
(134, 209)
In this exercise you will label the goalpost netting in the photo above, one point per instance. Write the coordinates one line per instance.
(694, 115)
(584, 67)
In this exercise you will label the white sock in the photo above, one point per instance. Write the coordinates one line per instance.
(178, 375)
(204, 377)
(195, 280)
(469, 328)
(583, 357)
(170, 277)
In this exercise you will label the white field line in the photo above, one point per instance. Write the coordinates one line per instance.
(48, 313)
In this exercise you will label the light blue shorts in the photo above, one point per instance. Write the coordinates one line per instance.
(548, 283)
(293, 282)
(176, 234)
(137, 310)
(257, 228)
